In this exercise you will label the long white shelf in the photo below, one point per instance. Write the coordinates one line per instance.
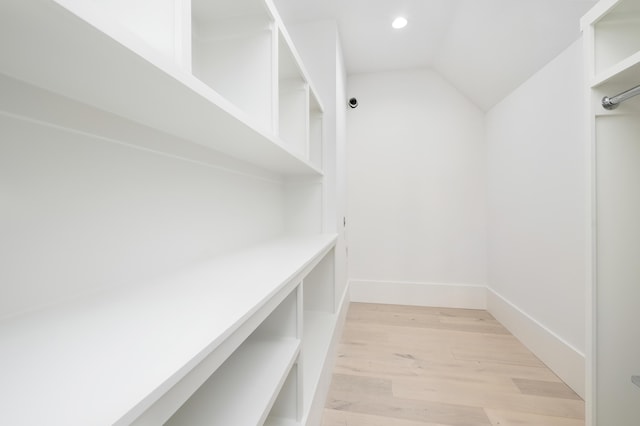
(245, 387)
(84, 56)
(106, 359)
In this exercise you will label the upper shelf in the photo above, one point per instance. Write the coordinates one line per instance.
(109, 357)
(624, 73)
(614, 29)
(94, 60)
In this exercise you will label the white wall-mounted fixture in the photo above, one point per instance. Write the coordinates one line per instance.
(399, 22)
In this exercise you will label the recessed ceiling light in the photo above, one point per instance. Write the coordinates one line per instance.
(399, 22)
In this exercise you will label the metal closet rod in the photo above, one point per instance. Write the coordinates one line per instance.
(613, 102)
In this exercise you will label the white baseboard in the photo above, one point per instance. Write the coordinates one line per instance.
(562, 358)
(419, 294)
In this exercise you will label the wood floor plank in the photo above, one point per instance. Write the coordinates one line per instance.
(545, 388)
(364, 363)
(488, 398)
(514, 418)
(346, 418)
(408, 409)
(412, 366)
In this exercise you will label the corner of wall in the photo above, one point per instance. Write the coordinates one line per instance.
(563, 359)
(464, 296)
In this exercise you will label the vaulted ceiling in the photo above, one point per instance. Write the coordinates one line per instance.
(485, 48)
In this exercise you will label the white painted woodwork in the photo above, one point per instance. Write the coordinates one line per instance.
(617, 351)
(287, 407)
(320, 48)
(612, 55)
(617, 35)
(275, 421)
(161, 222)
(303, 206)
(233, 55)
(242, 390)
(119, 214)
(246, 386)
(293, 96)
(76, 57)
(155, 22)
(318, 295)
(117, 352)
(320, 325)
(565, 360)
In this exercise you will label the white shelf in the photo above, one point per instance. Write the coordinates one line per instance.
(110, 356)
(626, 72)
(272, 421)
(85, 56)
(243, 389)
(318, 331)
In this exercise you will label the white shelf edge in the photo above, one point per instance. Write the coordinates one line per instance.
(82, 55)
(254, 374)
(618, 71)
(93, 348)
(597, 12)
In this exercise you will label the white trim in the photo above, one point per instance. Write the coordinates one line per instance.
(561, 357)
(467, 296)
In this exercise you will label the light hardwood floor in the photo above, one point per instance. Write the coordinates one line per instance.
(416, 366)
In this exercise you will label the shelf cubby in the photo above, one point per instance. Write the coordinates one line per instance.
(77, 52)
(318, 286)
(617, 36)
(232, 53)
(293, 101)
(159, 24)
(319, 322)
(125, 351)
(243, 390)
(287, 408)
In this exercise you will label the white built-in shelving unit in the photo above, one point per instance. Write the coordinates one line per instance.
(164, 259)
(612, 50)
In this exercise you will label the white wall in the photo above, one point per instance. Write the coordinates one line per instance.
(537, 212)
(537, 180)
(416, 183)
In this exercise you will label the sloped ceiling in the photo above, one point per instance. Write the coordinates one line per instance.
(485, 48)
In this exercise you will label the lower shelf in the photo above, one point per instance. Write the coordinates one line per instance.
(107, 358)
(318, 331)
(243, 389)
(281, 422)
